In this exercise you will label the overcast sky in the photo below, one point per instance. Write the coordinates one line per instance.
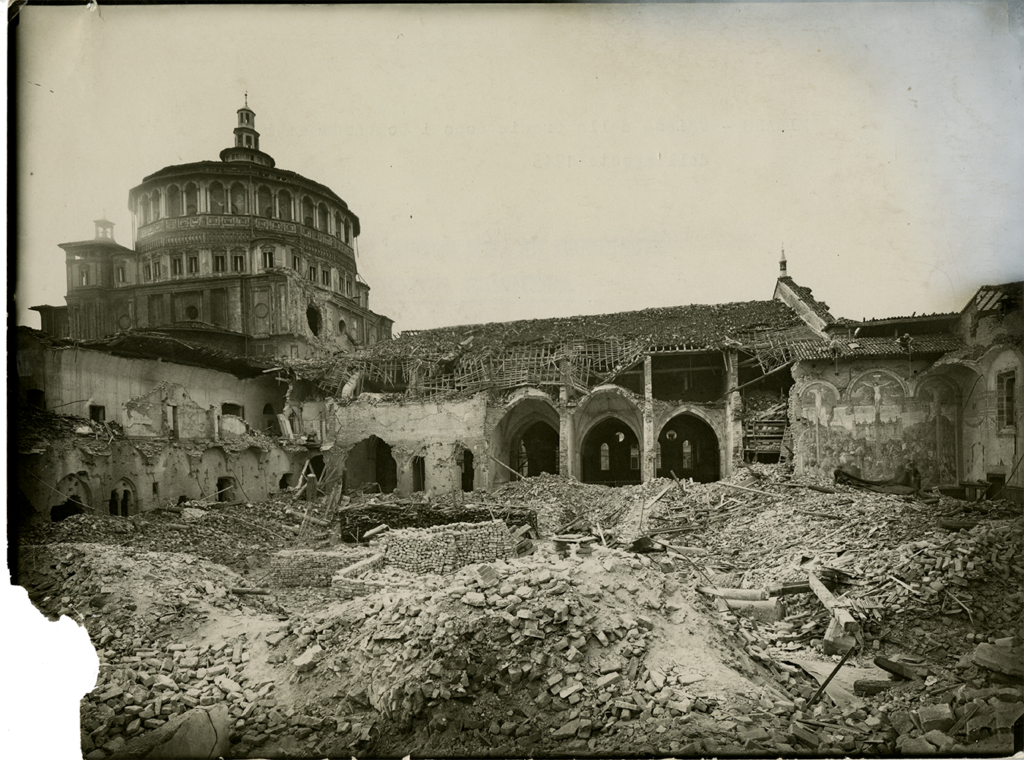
(510, 163)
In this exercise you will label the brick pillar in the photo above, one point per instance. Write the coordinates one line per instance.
(647, 460)
(731, 447)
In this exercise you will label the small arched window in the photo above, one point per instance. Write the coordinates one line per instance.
(156, 205)
(307, 212)
(687, 455)
(265, 202)
(284, 205)
(606, 459)
(339, 226)
(191, 199)
(238, 199)
(173, 201)
(217, 204)
(144, 209)
(321, 218)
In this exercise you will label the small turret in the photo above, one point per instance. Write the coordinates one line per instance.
(782, 264)
(104, 229)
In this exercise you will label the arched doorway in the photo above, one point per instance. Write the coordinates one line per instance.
(535, 450)
(371, 461)
(688, 447)
(122, 499)
(611, 454)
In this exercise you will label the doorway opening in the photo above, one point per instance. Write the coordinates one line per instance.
(468, 472)
(535, 450)
(225, 489)
(419, 474)
(611, 454)
(689, 448)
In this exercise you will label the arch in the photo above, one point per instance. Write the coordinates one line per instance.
(371, 461)
(535, 449)
(339, 225)
(321, 217)
(70, 488)
(348, 232)
(218, 202)
(155, 201)
(610, 454)
(124, 499)
(264, 202)
(689, 447)
(527, 408)
(313, 319)
(239, 199)
(173, 201)
(308, 211)
(284, 206)
(144, 210)
(606, 401)
(191, 199)
(868, 379)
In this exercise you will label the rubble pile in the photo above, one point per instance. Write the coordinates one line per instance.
(558, 500)
(361, 517)
(446, 548)
(306, 567)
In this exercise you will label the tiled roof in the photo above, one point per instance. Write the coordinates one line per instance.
(694, 326)
(853, 347)
(818, 307)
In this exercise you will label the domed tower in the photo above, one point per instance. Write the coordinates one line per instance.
(247, 140)
(236, 254)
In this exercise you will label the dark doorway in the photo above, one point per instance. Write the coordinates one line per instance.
(468, 472)
(72, 506)
(270, 424)
(419, 474)
(36, 398)
(611, 454)
(370, 461)
(285, 482)
(225, 489)
(689, 448)
(114, 505)
(316, 464)
(385, 467)
(535, 450)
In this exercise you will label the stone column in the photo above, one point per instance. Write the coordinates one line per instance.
(647, 458)
(732, 451)
(566, 449)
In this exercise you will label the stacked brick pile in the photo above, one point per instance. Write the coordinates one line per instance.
(446, 548)
(348, 584)
(356, 520)
(305, 567)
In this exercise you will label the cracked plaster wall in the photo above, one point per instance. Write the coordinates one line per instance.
(436, 431)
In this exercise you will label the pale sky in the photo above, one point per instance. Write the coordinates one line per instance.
(510, 163)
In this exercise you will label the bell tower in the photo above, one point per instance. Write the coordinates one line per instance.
(246, 135)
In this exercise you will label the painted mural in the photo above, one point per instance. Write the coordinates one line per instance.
(873, 429)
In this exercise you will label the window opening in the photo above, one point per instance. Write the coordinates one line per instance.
(419, 474)
(268, 259)
(233, 409)
(97, 413)
(313, 319)
(687, 455)
(193, 264)
(634, 457)
(192, 312)
(238, 263)
(312, 273)
(1006, 388)
(606, 462)
(220, 261)
(147, 272)
(468, 471)
(156, 270)
(177, 266)
(122, 276)
(325, 277)
(84, 276)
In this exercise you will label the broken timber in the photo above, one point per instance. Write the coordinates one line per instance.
(843, 631)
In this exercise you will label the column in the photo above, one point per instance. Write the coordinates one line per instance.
(647, 458)
(566, 447)
(731, 450)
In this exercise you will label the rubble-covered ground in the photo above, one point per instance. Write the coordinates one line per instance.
(609, 653)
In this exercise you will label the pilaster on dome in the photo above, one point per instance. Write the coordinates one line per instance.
(247, 140)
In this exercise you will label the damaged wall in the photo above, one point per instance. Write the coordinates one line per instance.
(872, 417)
(438, 432)
(147, 397)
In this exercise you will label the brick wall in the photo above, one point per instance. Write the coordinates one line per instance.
(305, 567)
(446, 548)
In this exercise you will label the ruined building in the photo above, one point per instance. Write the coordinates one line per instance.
(234, 254)
(234, 346)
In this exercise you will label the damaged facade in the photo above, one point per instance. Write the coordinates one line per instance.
(255, 266)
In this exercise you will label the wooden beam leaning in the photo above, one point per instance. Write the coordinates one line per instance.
(843, 631)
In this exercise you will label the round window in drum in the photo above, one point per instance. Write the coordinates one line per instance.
(192, 312)
(124, 322)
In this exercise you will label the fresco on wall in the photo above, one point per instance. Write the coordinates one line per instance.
(875, 430)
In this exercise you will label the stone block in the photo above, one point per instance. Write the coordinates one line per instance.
(308, 659)
(936, 717)
(608, 680)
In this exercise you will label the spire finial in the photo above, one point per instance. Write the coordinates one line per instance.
(246, 98)
(782, 262)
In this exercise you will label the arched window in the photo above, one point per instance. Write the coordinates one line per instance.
(238, 199)
(606, 461)
(144, 210)
(265, 202)
(284, 205)
(216, 198)
(321, 218)
(173, 201)
(156, 205)
(687, 455)
(339, 226)
(191, 199)
(348, 232)
(307, 212)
